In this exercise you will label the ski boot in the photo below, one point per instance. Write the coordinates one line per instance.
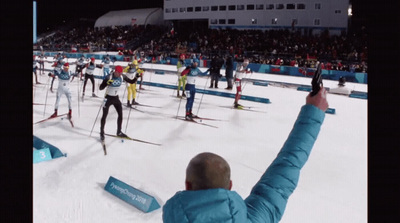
(102, 136)
(189, 116)
(134, 102)
(54, 114)
(238, 106)
(94, 95)
(129, 104)
(121, 134)
(183, 94)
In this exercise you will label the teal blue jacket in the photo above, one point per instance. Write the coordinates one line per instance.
(268, 198)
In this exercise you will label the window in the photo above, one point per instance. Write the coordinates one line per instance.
(274, 21)
(290, 6)
(231, 21)
(182, 10)
(316, 22)
(214, 8)
(222, 8)
(338, 11)
(213, 21)
(221, 21)
(269, 6)
(197, 9)
(240, 7)
(175, 10)
(167, 10)
(317, 5)
(232, 7)
(253, 21)
(206, 8)
(189, 9)
(250, 7)
(260, 7)
(301, 6)
(280, 6)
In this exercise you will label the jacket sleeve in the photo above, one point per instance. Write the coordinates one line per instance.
(104, 82)
(268, 198)
(131, 81)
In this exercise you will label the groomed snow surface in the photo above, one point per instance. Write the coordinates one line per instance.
(332, 186)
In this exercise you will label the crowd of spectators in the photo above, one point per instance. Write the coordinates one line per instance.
(278, 47)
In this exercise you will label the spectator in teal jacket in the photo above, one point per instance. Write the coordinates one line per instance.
(208, 197)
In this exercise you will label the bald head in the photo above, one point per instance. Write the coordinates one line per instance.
(207, 171)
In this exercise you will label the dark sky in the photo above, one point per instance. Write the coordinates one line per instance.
(51, 13)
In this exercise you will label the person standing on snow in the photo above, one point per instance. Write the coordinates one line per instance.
(80, 65)
(106, 65)
(181, 66)
(90, 67)
(229, 72)
(191, 73)
(215, 69)
(35, 68)
(131, 71)
(57, 69)
(63, 88)
(241, 70)
(113, 83)
(41, 62)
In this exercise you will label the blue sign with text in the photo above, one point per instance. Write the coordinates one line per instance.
(131, 195)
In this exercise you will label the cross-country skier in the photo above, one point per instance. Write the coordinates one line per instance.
(41, 62)
(180, 66)
(106, 65)
(90, 67)
(63, 88)
(57, 69)
(131, 71)
(113, 83)
(241, 70)
(191, 73)
(80, 65)
(35, 68)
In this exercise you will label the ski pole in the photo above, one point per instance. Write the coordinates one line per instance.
(204, 89)
(79, 107)
(244, 85)
(179, 106)
(127, 121)
(102, 104)
(47, 92)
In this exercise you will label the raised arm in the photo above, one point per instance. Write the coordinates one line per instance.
(268, 198)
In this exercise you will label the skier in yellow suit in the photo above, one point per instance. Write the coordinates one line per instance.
(131, 70)
(181, 65)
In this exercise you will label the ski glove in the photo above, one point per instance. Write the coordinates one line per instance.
(110, 82)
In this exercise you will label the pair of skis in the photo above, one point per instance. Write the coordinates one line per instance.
(50, 118)
(126, 138)
(199, 120)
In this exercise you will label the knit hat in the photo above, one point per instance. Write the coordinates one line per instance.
(66, 65)
(118, 69)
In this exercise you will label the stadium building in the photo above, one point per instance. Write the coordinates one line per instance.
(310, 17)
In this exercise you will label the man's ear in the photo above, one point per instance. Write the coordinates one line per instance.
(230, 184)
(188, 185)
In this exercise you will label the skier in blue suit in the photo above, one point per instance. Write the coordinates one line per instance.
(191, 72)
(208, 197)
